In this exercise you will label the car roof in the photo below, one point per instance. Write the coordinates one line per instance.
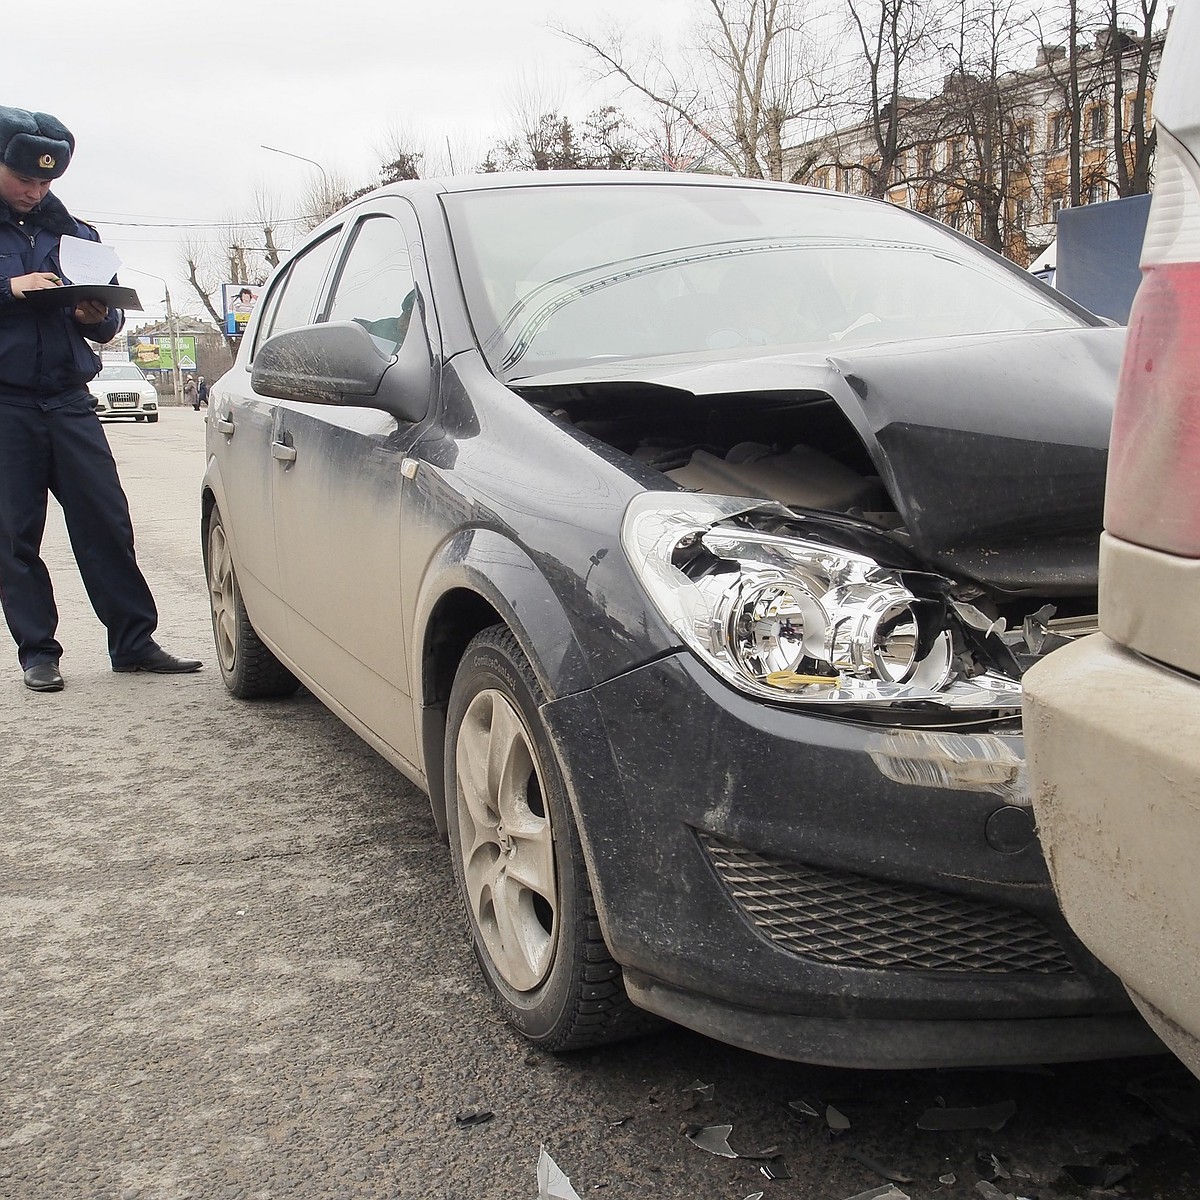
(487, 181)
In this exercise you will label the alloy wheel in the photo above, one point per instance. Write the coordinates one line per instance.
(506, 841)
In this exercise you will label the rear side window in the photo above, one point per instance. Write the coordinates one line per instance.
(376, 288)
(294, 299)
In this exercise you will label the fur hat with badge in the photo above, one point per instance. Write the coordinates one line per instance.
(34, 144)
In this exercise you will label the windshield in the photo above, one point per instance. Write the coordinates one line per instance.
(560, 276)
(122, 373)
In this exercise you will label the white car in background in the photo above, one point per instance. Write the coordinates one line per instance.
(1113, 721)
(121, 390)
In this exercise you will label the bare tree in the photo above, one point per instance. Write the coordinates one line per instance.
(895, 38)
(750, 75)
(322, 198)
(607, 141)
(671, 144)
(980, 119)
(1132, 52)
(1101, 57)
(544, 138)
(246, 252)
(547, 143)
(1062, 30)
(411, 153)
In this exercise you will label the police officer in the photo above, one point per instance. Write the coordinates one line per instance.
(50, 438)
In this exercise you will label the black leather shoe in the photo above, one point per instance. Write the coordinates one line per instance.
(44, 677)
(160, 662)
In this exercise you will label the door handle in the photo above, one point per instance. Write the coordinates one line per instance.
(224, 425)
(283, 452)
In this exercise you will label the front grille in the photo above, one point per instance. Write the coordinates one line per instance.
(851, 920)
(124, 399)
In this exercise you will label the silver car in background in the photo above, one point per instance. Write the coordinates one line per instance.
(121, 390)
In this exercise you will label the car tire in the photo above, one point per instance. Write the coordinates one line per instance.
(518, 861)
(248, 667)
(152, 418)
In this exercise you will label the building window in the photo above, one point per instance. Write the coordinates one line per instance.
(1096, 192)
(1025, 138)
(1096, 123)
(1130, 105)
(1060, 128)
(961, 216)
(925, 161)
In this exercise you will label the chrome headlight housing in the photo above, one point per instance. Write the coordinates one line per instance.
(794, 620)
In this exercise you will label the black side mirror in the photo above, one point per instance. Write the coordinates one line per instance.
(335, 363)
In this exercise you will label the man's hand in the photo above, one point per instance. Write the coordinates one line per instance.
(91, 312)
(36, 281)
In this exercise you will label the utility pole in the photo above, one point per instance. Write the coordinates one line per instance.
(172, 330)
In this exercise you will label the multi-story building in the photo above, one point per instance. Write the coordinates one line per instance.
(993, 158)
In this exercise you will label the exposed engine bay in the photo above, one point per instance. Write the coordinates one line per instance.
(800, 450)
(796, 448)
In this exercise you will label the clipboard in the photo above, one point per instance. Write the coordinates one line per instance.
(67, 296)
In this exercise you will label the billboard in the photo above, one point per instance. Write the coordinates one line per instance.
(238, 301)
(152, 352)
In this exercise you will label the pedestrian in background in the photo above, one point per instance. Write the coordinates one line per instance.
(190, 393)
(51, 440)
(201, 392)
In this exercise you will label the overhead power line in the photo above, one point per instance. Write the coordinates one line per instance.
(153, 223)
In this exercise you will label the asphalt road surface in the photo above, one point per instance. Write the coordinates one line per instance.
(231, 965)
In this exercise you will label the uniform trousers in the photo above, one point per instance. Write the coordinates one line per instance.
(64, 451)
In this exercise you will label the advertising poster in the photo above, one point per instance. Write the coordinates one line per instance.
(238, 300)
(153, 352)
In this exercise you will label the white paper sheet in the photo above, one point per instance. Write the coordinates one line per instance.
(86, 262)
(552, 1183)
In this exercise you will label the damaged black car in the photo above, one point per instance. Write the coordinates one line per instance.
(686, 540)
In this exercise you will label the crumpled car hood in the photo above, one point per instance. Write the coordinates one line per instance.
(993, 448)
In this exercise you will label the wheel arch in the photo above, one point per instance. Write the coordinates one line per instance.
(208, 502)
(212, 495)
(480, 579)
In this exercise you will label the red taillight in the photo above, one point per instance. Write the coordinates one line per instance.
(1153, 494)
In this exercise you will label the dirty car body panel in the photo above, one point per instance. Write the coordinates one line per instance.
(755, 583)
(1114, 720)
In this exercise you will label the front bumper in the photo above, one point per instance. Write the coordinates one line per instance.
(1115, 756)
(818, 889)
(117, 404)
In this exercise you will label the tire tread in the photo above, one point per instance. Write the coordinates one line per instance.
(257, 674)
(594, 1008)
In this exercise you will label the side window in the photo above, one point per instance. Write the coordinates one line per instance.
(376, 286)
(266, 313)
(297, 296)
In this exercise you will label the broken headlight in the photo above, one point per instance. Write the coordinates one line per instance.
(794, 620)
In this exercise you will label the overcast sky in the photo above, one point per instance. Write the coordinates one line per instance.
(170, 102)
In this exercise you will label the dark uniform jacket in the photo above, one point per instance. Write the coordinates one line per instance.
(44, 360)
